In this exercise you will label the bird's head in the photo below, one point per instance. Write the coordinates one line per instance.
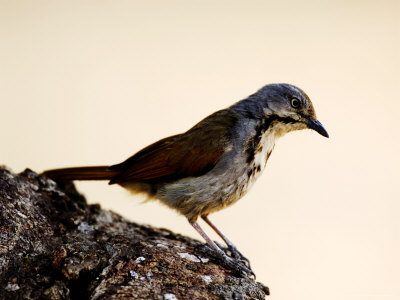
(289, 108)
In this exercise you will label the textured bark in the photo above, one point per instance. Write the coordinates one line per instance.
(53, 245)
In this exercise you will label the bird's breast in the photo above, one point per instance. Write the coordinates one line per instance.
(256, 165)
(264, 149)
(252, 164)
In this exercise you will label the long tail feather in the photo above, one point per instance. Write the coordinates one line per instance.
(81, 173)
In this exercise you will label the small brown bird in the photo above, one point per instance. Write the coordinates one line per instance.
(213, 164)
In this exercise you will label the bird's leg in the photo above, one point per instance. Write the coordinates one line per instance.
(228, 261)
(232, 248)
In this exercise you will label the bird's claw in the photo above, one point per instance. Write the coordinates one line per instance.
(235, 254)
(232, 263)
(237, 266)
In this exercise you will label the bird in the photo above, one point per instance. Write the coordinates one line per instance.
(213, 164)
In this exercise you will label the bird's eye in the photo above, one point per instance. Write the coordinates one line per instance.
(294, 102)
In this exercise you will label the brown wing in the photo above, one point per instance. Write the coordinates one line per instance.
(189, 154)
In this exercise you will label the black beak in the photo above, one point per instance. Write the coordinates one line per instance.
(317, 126)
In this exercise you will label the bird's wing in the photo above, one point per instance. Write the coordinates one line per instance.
(189, 154)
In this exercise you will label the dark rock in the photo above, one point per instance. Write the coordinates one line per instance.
(53, 245)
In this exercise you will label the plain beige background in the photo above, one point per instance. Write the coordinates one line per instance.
(92, 82)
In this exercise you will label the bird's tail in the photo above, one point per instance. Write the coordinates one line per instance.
(81, 173)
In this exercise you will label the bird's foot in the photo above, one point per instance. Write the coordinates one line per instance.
(237, 265)
(233, 252)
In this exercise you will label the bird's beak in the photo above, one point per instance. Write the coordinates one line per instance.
(317, 126)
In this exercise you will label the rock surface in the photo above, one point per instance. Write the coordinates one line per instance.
(53, 245)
